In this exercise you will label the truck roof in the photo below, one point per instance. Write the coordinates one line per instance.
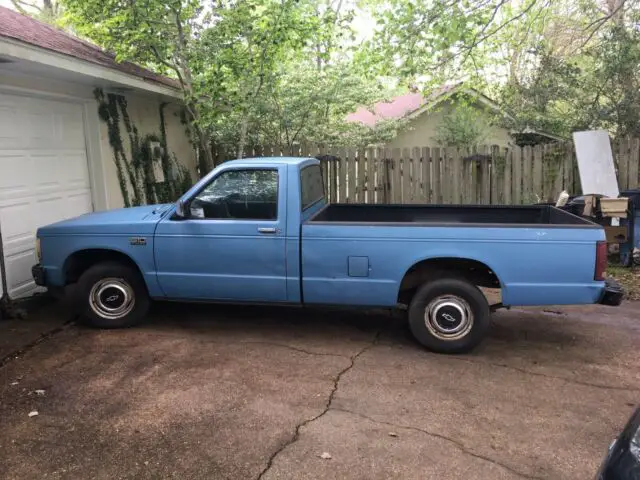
(271, 160)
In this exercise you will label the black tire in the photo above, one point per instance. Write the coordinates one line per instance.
(459, 318)
(107, 285)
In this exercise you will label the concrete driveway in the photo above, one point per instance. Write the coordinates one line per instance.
(253, 393)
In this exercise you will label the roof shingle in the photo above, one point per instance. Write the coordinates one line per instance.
(28, 30)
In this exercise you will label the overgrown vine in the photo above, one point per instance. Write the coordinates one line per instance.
(136, 177)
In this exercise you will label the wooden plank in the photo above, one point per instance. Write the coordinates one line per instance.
(623, 162)
(361, 175)
(322, 151)
(436, 177)
(342, 176)
(516, 170)
(395, 195)
(406, 175)
(538, 188)
(472, 169)
(527, 176)
(495, 171)
(567, 169)
(465, 175)
(634, 164)
(333, 171)
(370, 183)
(453, 175)
(425, 186)
(484, 174)
(446, 184)
(386, 175)
(381, 179)
(560, 153)
(507, 179)
(351, 175)
(424, 190)
(416, 175)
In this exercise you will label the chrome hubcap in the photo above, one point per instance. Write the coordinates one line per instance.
(111, 298)
(448, 317)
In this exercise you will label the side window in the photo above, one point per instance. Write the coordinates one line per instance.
(311, 186)
(240, 194)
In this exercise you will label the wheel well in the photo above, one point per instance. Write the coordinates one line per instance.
(476, 272)
(79, 262)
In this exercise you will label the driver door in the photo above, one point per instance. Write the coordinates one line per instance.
(232, 245)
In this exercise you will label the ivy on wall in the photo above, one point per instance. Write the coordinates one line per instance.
(136, 170)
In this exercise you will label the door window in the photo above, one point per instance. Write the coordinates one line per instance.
(250, 194)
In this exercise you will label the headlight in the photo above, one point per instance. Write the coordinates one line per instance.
(38, 251)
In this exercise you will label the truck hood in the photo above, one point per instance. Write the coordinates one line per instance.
(134, 220)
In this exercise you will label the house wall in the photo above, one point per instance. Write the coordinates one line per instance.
(144, 112)
(145, 116)
(422, 130)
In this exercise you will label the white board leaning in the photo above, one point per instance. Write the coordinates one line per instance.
(595, 163)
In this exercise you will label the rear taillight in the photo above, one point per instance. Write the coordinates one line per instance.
(601, 261)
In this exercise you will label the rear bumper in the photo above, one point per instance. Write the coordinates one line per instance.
(613, 293)
(39, 275)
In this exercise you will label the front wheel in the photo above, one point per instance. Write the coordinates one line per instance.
(449, 315)
(112, 295)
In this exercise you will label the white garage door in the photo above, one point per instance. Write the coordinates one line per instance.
(44, 177)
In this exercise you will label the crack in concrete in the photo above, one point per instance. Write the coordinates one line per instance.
(453, 441)
(327, 407)
(527, 372)
(296, 349)
(25, 348)
(540, 374)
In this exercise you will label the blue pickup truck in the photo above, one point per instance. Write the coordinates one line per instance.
(261, 231)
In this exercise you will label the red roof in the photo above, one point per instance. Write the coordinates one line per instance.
(28, 30)
(397, 107)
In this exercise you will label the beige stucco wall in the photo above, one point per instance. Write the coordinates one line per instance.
(145, 116)
(422, 130)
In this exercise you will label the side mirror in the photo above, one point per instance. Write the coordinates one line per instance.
(182, 209)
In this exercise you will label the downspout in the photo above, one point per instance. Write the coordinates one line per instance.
(4, 300)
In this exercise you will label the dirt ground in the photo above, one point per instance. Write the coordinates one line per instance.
(253, 393)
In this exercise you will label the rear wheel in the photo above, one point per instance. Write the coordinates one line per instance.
(112, 295)
(449, 315)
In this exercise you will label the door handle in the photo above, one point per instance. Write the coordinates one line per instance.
(267, 230)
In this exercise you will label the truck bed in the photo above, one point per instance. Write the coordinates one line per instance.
(482, 215)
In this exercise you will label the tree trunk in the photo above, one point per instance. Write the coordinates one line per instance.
(243, 137)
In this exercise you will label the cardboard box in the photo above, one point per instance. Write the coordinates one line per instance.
(616, 234)
(614, 207)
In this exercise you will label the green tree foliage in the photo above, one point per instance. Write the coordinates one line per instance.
(159, 34)
(251, 71)
(464, 126)
(556, 66)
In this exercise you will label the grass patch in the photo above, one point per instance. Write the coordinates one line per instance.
(629, 278)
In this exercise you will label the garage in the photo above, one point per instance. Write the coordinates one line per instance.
(57, 159)
(44, 176)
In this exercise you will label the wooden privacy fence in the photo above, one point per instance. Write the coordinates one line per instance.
(448, 175)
